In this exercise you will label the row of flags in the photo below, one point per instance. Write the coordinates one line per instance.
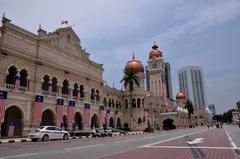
(104, 114)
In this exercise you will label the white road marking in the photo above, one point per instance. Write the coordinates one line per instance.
(121, 141)
(22, 155)
(190, 147)
(74, 148)
(195, 141)
(159, 142)
(230, 139)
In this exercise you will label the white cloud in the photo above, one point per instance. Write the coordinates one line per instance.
(208, 15)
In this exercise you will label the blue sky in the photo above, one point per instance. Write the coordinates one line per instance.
(188, 32)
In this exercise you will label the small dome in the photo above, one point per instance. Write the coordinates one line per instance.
(155, 52)
(135, 65)
(180, 95)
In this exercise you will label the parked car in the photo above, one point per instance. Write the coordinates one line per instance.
(107, 132)
(101, 132)
(46, 133)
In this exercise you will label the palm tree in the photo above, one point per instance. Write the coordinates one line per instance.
(130, 78)
(190, 109)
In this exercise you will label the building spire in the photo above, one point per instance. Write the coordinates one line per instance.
(133, 55)
(154, 47)
(3, 17)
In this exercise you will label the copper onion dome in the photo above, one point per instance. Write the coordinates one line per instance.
(134, 65)
(155, 52)
(180, 95)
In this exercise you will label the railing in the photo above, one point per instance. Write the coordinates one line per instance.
(44, 92)
(65, 95)
(10, 86)
(23, 89)
(54, 94)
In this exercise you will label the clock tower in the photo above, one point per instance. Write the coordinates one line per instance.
(156, 72)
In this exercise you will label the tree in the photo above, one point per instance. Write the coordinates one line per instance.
(130, 78)
(227, 116)
(190, 109)
(238, 106)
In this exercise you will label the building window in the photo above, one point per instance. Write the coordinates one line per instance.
(138, 102)
(23, 79)
(81, 91)
(126, 103)
(54, 84)
(11, 77)
(75, 90)
(65, 88)
(45, 84)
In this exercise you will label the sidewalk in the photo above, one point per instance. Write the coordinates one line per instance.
(13, 140)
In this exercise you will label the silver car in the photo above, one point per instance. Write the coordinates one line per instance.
(46, 133)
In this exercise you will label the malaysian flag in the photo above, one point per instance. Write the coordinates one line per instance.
(115, 116)
(50, 88)
(17, 82)
(11, 129)
(108, 116)
(71, 111)
(87, 113)
(64, 22)
(37, 115)
(146, 114)
(59, 110)
(102, 115)
(3, 104)
(78, 95)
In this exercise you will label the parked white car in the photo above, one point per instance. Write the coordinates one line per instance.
(46, 133)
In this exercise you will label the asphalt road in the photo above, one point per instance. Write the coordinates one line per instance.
(139, 146)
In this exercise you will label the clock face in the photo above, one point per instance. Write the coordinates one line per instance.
(154, 65)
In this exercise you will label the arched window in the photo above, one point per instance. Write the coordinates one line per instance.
(65, 88)
(109, 102)
(75, 90)
(126, 103)
(133, 103)
(117, 104)
(120, 105)
(113, 103)
(143, 102)
(92, 94)
(45, 83)
(105, 101)
(138, 102)
(54, 84)
(23, 79)
(11, 77)
(139, 120)
(81, 91)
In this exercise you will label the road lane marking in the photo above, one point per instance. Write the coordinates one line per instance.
(74, 148)
(190, 147)
(195, 141)
(230, 139)
(121, 141)
(22, 155)
(159, 142)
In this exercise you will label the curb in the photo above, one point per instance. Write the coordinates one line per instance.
(76, 137)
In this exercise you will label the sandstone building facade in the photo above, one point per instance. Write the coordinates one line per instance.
(39, 73)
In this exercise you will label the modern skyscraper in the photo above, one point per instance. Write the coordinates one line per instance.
(191, 82)
(211, 107)
(168, 80)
